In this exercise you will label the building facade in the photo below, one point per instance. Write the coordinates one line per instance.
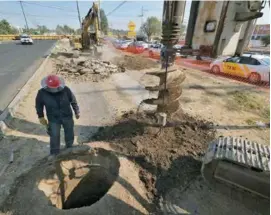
(259, 32)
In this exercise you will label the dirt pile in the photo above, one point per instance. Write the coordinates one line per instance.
(85, 68)
(62, 45)
(168, 158)
(135, 62)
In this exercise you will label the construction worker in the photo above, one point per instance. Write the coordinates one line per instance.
(57, 100)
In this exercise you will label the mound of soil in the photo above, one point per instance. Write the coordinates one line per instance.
(168, 157)
(135, 62)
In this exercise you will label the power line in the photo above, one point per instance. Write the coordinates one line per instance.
(79, 17)
(122, 3)
(24, 15)
(49, 6)
(39, 16)
(142, 14)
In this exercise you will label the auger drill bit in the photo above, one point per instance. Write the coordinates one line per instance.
(171, 77)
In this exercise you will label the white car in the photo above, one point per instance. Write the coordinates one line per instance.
(124, 45)
(254, 67)
(25, 39)
(155, 50)
(143, 44)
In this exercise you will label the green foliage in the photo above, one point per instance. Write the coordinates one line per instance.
(65, 29)
(78, 31)
(118, 32)
(266, 40)
(31, 31)
(6, 28)
(42, 29)
(151, 27)
(104, 22)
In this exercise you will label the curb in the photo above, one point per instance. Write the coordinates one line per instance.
(11, 108)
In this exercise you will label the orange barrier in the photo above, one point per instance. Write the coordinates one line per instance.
(203, 66)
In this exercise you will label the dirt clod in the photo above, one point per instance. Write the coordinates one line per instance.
(135, 62)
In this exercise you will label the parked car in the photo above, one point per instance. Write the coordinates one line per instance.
(255, 68)
(136, 47)
(25, 39)
(124, 44)
(155, 50)
(145, 45)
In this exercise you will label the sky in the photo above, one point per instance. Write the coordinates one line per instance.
(52, 13)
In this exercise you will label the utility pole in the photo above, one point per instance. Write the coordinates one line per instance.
(79, 17)
(99, 15)
(24, 16)
(142, 15)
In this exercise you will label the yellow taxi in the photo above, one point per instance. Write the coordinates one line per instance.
(254, 67)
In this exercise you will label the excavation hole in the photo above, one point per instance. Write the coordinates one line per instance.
(80, 180)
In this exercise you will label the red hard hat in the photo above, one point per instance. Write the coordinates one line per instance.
(52, 81)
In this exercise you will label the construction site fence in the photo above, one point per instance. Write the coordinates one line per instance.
(34, 37)
(200, 65)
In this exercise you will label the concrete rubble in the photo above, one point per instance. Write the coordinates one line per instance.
(84, 68)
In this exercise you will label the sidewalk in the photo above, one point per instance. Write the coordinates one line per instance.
(100, 104)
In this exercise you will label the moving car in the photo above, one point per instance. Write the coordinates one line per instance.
(255, 68)
(25, 39)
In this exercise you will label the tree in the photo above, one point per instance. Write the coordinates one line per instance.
(42, 29)
(151, 27)
(104, 22)
(78, 31)
(118, 32)
(64, 29)
(6, 28)
(32, 31)
(59, 29)
(266, 40)
(68, 30)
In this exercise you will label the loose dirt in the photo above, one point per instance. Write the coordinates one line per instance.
(170, 162)
(167, 161)
(235, 108)
(161, 153)
(135, 62)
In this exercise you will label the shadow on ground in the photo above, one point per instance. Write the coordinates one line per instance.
(30, 159)
(168, 158)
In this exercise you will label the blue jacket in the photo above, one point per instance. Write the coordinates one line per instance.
(58, 105)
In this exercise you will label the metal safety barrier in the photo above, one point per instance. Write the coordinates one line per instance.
(34, 37)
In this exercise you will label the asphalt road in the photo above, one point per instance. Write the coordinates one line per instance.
(17, 64)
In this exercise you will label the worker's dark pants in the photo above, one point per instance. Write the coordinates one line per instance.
(54, 132)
